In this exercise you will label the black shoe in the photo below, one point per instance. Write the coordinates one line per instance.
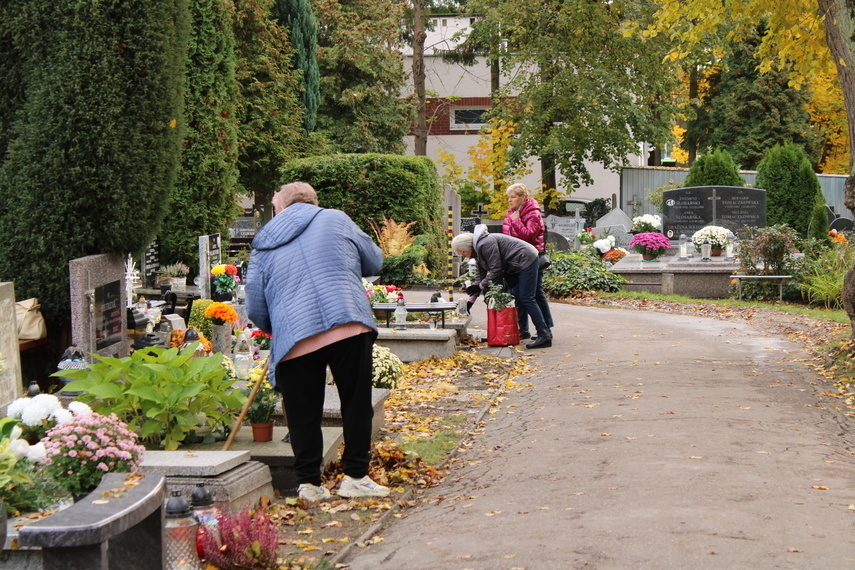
(541, 342)
(524, 335)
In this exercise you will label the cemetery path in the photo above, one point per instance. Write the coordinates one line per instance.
(646, 440)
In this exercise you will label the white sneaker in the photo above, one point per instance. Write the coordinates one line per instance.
(313, 493)
(364, 487)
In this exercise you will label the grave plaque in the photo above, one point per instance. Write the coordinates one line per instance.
(10, 360)
(686, 210)
(245, 227)
(108, 315)
(468, 224)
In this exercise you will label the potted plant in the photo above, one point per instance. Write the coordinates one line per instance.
(260, 412)
(716, 235)
(261, 343)
(497, 298)
(224, 282)
(646, 223)
(222, 317)
(175, 275)
(650, 245)
(386, 368)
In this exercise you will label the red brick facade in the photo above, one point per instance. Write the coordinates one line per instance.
(438, 112)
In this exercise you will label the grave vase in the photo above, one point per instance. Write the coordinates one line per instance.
(221, 338)
(716, 252)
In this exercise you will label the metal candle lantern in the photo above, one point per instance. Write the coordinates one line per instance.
(683, 248)
(180, 537)
(706, 250)
(206, 513)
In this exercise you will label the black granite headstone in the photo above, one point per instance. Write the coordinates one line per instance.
(686, 210)
(468, 224)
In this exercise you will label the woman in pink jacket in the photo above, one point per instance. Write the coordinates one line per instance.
(525, 222)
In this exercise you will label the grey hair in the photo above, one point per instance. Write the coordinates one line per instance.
(519, 189)
(462, 242)
(293, 193)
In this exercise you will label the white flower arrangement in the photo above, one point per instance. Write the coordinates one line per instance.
(647, 223)
(605, 244)
(387, 368)
(716, 234)
(42, 412)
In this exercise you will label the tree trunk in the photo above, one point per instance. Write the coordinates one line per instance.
(839, 33)
(420, 127)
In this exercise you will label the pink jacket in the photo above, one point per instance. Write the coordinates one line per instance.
(529, 227)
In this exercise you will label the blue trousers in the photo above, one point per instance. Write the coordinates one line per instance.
(524, 286)
(542, 302)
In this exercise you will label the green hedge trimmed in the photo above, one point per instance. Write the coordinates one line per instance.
(369, 186)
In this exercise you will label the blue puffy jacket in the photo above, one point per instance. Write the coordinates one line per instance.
(305, 275)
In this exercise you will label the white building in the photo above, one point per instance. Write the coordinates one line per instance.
(458, 95)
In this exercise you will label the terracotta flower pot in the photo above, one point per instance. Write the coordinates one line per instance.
(649, 256)
(262, 432)
(716, 252)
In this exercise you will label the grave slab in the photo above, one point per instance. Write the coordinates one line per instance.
(411, 345)
(231, 477)
(668, 275)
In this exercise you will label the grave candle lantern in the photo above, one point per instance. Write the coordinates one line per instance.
(729, 246)
(706, 250)
(683, 248)
(180, 536)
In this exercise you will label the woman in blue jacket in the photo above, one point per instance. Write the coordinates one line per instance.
(304, 286)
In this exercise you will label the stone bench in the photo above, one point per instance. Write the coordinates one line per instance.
(780, 278)
(416, 344)
(115, 526)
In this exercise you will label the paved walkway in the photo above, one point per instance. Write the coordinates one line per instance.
(647, 441)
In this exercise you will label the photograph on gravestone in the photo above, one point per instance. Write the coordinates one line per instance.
(687, 210)
(108, 315)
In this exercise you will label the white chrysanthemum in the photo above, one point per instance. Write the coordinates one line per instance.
(49, 401)
(15, 408)
(605, 244)
(19, 447)
(16, 432)
(79, 408)
(62, 416)
(37, 453)
(34, 414)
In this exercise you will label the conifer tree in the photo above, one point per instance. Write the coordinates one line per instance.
(715, 168)
(299, 18)
(90, 134)
(792, 188)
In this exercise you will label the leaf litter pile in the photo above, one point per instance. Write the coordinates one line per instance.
(436, 398)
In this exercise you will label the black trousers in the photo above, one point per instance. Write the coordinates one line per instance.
(302, 381)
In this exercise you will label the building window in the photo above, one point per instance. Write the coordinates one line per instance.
(465, 119)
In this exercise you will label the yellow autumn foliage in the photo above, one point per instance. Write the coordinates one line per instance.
(394, 237)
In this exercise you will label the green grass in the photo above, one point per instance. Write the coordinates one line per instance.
(433, 450)
(833, 315)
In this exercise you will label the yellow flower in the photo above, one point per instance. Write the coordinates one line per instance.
(218, 270)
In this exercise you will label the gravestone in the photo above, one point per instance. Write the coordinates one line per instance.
(150, 264)
(566, 227)
(557, 241)
(468, 224)
(10, 358)
(245, 227)
(210, 254)
(842, 225)
(98, 316)
(686, 210)
(617, 224)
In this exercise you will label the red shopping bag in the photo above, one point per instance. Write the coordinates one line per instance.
(503, 328)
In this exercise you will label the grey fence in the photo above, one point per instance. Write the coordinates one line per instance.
(637, 181)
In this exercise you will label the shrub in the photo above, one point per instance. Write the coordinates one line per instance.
(714, 168)
(370, 186)
(573, 271)
(793, 193)
(822, 276)
(595, 210)
(770, 251)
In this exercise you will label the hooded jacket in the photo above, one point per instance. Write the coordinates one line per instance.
(498, 254)
(305, 275)
(529, 227)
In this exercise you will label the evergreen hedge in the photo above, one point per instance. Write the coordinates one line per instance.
(793, 193)
(91, 134)
(714, 168)
(369, 186)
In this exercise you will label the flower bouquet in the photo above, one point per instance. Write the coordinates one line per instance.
(646, 223)
(716, 234)
(614, 255)
(224, 278)
(261, 409)
(260, 339)
(79, 452)
(221, 313)
(651, 244)
(605, 244)
(586, 236)
(41, 413)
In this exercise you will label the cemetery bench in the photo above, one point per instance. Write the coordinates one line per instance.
(115, 526)
(780, 278)
(429, 308)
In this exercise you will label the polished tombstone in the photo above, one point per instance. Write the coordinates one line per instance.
(686, 210)
(98, 301)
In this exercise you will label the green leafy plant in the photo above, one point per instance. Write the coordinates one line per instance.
(264, 403)
(574, 271)
(595, 210)
(160, 393)
(822, 277)
(497, 298)
(198, 320)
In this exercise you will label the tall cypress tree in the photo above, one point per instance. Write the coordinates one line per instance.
(269, 113)
(204, 199)
(752, 112)
(792, 188)
(90, 134)
(299, 18)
